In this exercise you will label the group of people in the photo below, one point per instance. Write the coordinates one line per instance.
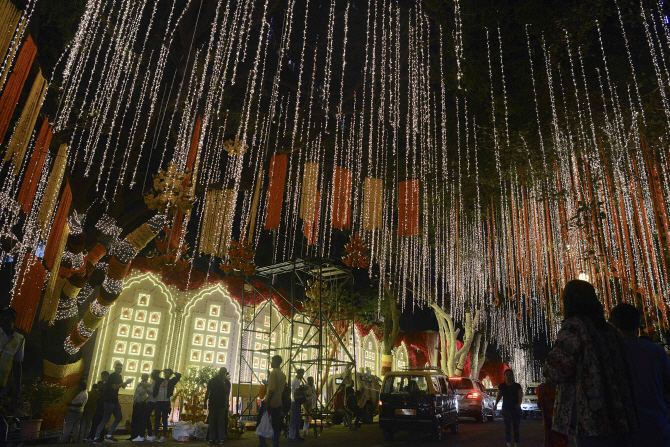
(278, 397)
(91, 411)
(605, 384)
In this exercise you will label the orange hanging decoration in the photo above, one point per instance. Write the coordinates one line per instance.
(240, 259)
(408, 208)
(53, 243)
(28, 292)
(31, 178)
(277, 176)
(10, 96)
(356, 253)
(341, 210)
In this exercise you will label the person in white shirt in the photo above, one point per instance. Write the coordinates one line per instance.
(310, 403)
(73, 418)
(139, 409)
(298, 395)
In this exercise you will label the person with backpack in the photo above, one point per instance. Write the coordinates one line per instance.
(299, 398)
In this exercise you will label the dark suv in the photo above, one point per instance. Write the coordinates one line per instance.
(417, 401)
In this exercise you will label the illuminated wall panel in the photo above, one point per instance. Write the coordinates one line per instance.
(136, 330)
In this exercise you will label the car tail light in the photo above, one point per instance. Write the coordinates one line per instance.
(380, 402)
(472, 396)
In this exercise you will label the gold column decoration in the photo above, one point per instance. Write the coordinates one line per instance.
(217, 222)
(373, 200)
(52, 190)
(18, 144)
(9, 20)
(310, 184)
(55, 283)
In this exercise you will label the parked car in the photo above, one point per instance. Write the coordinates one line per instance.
(417, 401)
(529, 406)
(473, 399)
(493, 392)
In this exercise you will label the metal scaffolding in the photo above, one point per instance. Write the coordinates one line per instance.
(321, 285)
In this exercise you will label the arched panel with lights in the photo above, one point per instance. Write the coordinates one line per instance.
(137, 330)
(211, 331)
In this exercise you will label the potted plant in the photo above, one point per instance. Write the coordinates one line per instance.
(192, 393)
(35, 395)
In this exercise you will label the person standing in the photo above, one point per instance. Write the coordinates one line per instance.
(89, 410)
(594, 397)
(139, 409)
(74, 416)
(273, 400)
(511, 394)
(298, 398)
(100, 408)
(112, 405)
(163, 391)
(11, 356)
(217, 397)
(310, 403)
(650, 369)
(151, 405)
(546, 396)
(353, 410)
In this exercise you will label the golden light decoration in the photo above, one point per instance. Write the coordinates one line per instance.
(171, 190)
(235, 147)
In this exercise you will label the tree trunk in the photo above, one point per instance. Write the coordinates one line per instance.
(391, 329)
(453, 361)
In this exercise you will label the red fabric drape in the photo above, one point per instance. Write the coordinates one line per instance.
(51, 250)
(408, 208)
(277, 176)
(28, 291)
(176, 231)
(194, 145)
(312, 228)
(32, 176)
(342, 180)
(10, 96)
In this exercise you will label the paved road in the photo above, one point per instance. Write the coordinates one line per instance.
(471, 434)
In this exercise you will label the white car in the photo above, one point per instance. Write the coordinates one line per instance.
(529, 406)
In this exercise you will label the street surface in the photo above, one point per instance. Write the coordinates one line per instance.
(470, 434)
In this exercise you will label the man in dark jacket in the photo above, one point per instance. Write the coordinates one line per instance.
(163, 391)
(100, 406)
(217, 397)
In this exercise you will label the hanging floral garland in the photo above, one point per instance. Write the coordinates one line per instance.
(240, 259)
(356, 253)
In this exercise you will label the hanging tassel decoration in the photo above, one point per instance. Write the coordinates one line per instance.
(51, 192)
(217, 222)
(11, 93)
(341, 212)
(312, 226)
(373, 201)
(60, 221)
(408, 208)
(277, 176)
(55, 283)
(310, 183)
(32, 175)
(28, 292)
(9, 20)
(18, 144)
